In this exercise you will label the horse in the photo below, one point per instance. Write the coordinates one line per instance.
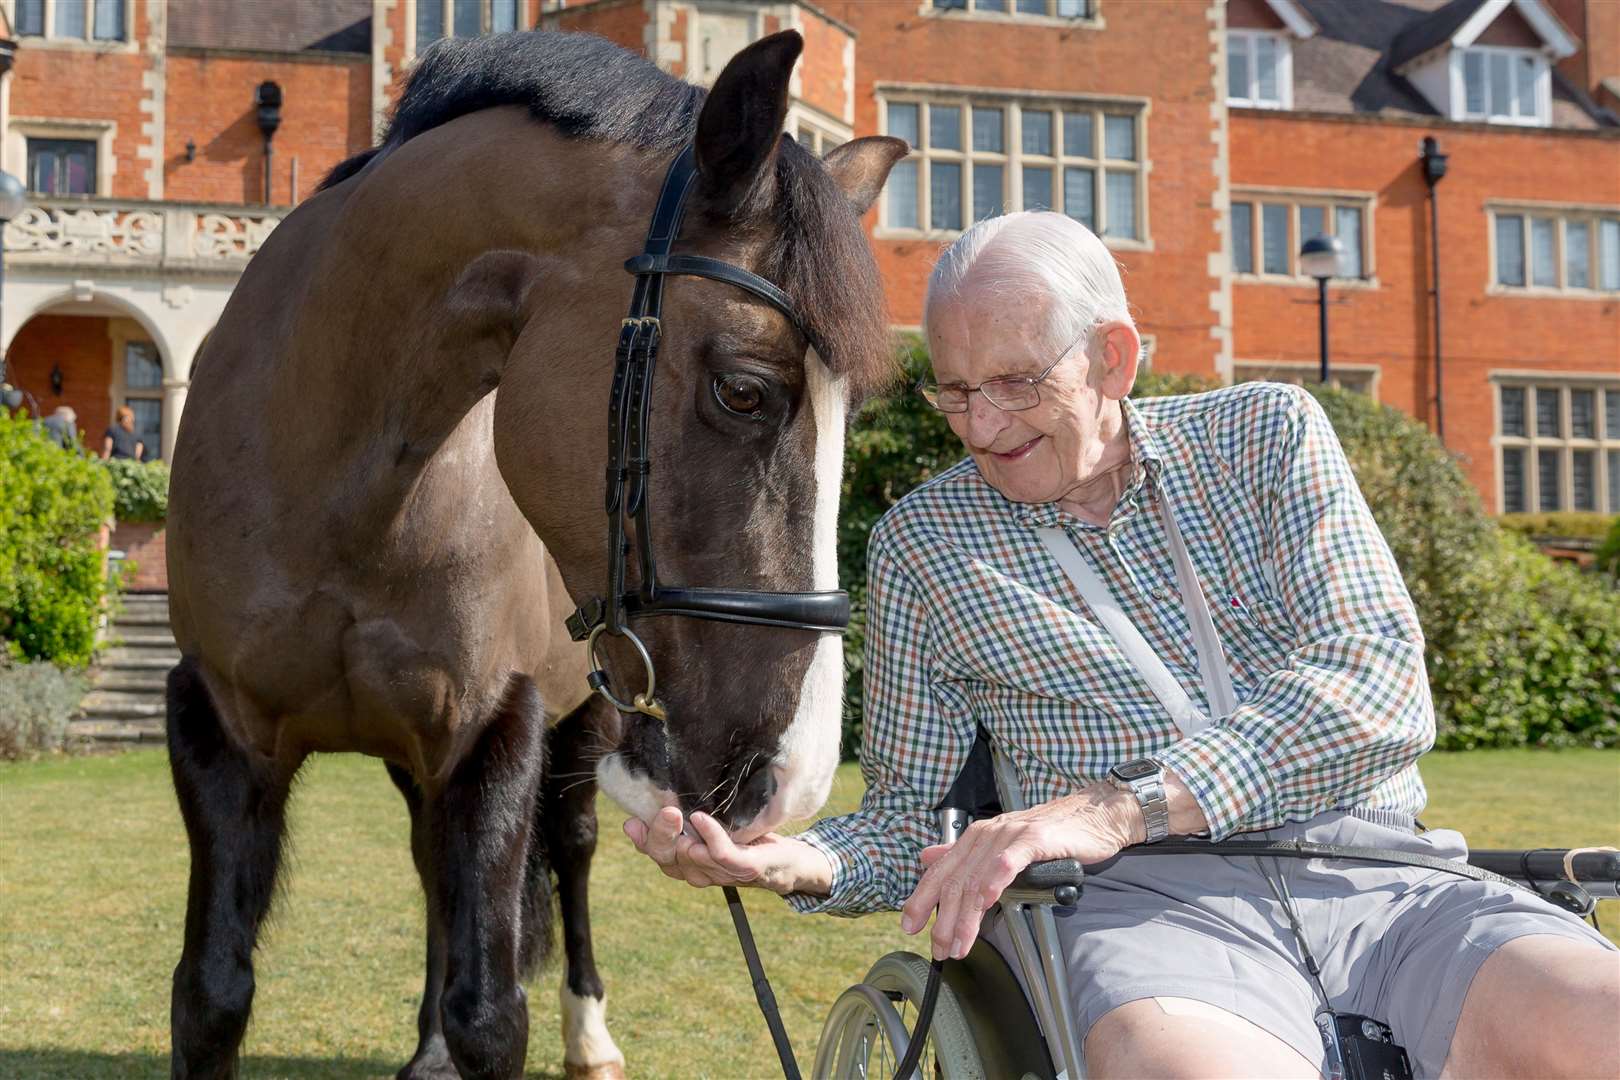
(386, 497)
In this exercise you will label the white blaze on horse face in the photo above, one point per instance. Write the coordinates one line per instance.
(634, 792)
(808, 753)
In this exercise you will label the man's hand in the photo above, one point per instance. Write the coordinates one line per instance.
(964, 879)
(705, 855)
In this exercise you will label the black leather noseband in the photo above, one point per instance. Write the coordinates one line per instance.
(629, 464)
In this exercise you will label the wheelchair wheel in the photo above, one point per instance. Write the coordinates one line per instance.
(862, 1037)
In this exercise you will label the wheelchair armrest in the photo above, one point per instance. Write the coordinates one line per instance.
(1598, 872)
(1056, 881)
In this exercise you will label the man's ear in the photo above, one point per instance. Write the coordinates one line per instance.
(1119, 354)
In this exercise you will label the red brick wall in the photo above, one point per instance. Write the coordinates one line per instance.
(84, 84)
(80, 346)
(821, 71)
(1251, 15)
(325, 117)
(621, 23)
(1391, 325)
(1155, 51)
(146, 545)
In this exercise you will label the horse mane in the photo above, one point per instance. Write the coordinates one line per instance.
(589, 88)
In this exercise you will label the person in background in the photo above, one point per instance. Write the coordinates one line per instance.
(120, 440)
(62, 427)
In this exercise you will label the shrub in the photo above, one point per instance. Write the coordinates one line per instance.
(36, 702)
(140, 490)
(52, 506)
(1567, 525)
(1608, 552)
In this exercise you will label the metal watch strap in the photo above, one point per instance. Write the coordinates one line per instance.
(1152, 798)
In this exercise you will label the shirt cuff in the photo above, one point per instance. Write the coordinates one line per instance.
(1227, 777)
(852, 870)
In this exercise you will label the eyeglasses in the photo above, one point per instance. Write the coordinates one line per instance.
(1010, 393)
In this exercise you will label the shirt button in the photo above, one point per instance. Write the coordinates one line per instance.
(1161, 593)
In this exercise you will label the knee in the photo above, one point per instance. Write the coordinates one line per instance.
(211, 1001)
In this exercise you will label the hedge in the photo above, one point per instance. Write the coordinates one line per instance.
(1519, 649)
(140, 489)
(1568, 525)
(53, 503)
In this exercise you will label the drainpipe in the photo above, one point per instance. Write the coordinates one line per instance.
(1434, 169)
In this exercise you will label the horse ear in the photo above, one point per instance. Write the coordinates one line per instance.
(742, 120)
(861, 166)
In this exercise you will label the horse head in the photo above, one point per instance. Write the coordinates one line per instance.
(747, 419)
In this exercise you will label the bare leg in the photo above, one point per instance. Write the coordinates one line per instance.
(1142, 1040)
(482, 824)
(1541, 1007)
(234, 810)
(570, 821)
(432, 1058)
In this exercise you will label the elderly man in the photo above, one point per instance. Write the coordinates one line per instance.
(979, 617)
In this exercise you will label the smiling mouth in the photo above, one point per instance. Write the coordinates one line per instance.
(1017, 452)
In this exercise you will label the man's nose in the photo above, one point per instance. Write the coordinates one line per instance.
(984, 420)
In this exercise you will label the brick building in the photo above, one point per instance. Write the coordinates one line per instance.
(1205, 140)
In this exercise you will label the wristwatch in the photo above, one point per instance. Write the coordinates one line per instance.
(1144, 778)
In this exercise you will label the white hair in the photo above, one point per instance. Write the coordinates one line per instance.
(1035, 249)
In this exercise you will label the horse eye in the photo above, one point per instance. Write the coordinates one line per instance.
(740, 394)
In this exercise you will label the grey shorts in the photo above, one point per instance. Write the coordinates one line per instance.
(1399, 944)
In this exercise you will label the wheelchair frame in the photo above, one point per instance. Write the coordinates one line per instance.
(1033, 1038)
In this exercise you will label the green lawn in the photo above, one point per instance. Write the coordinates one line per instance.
(92, 884)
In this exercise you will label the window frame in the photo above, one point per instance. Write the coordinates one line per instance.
(486, 17)
(1012, 157)
(31, 143)
(970, 9)
(1543, 86)
(825, 133)
(1307, 372)
(123, 333)
(1566, 443)
(1330, 203)
(1566, 216)
(103, 133)
(1285, 69)
(49, 38)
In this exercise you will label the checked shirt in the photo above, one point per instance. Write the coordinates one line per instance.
(971, 623)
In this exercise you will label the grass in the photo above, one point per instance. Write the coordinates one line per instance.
(92, 884)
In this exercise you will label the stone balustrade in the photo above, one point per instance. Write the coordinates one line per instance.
(126, 233)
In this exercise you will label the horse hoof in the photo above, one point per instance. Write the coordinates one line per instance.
(430, 1063)
(608, 1070)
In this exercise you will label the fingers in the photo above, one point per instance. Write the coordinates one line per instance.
(702, 856)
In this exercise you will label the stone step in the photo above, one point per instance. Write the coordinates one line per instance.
(136, 599)
(122, 705)
(143, 658)
(131, 680)
(143, 617)
(144, 637)
(108, 729)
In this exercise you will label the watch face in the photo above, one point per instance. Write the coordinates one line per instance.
(1139, 769)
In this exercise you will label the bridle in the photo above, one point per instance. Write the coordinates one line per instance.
(628, 468)
(629, 465)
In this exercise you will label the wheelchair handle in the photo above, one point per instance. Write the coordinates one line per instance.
(1055, 881)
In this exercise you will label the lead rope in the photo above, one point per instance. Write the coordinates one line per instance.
(773, 1017)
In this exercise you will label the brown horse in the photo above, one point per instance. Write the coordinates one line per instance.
(388, 492)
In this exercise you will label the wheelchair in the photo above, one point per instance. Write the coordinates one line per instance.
(983, 1026)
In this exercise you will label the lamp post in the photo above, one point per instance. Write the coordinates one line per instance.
(1434, 170)
(267, 100)
(1321, 258)
(13, 199)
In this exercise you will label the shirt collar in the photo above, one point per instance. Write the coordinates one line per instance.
(1147, 466)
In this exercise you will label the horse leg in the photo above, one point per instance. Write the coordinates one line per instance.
(569, 818)
(432, 1058)
(482, 824)
(234, 809)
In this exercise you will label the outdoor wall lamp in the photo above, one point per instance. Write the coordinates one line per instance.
(1321, 258)
(191, 150)
(267, 100)
(56, 379)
